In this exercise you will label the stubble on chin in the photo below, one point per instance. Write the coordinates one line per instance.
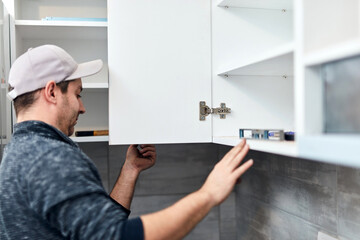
(70, 131)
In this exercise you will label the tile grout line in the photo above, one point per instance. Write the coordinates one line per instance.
(295, 216)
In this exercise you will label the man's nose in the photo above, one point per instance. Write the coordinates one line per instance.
(82, 107)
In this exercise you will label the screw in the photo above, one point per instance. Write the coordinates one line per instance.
(283, 10)
(225, 75)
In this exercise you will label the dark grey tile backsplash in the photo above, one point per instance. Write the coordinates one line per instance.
(279, 198)
(292, 198)
(349, 202)
(98, 152)
(180, 169)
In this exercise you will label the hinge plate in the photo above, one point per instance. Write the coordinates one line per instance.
(205, 110)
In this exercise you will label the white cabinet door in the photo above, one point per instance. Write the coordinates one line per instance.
(159, 70)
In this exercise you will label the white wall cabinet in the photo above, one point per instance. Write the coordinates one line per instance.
(262, 58)
(84, 40)
(167, 56)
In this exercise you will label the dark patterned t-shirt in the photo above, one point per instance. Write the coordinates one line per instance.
(49, 189)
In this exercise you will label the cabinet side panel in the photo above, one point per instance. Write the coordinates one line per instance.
(159, 70)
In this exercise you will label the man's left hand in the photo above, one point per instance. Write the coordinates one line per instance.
(140, 160)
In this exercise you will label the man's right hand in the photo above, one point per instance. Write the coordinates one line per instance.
(177, 220)
(226, 172)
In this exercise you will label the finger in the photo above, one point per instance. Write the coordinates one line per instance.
(243, 168)
(148, 149)
(235, 150)
(240, 156)
(133, 146)
(147, 145)
(150, 155)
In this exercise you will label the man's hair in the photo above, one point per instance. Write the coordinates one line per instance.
(24, 101)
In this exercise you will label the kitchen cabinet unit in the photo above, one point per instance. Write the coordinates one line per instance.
(175, 54)
(263, 59)
(263, 64)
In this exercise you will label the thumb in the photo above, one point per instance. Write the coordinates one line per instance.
(132, 148)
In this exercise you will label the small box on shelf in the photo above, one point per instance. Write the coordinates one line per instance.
(91, 133)
(262, 134)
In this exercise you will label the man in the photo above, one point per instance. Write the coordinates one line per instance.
(49, 189)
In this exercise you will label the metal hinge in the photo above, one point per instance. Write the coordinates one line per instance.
(205, 110)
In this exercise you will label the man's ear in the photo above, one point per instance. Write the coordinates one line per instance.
(50, 92)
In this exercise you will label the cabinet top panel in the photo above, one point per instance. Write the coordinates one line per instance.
(263, 4)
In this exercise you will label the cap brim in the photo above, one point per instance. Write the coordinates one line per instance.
(86, 69)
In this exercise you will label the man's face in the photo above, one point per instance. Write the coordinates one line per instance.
(70, 107)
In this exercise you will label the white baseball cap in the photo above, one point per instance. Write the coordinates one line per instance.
(35, 68)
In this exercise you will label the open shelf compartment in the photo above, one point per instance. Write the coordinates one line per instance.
(277, 62)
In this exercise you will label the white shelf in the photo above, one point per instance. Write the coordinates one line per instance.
(262, 4)
(288, 148)
(277, 62)
(91, 139)
(332, 148)
(60, 23)
(333, 53)
(95, 85)
(36, 29)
